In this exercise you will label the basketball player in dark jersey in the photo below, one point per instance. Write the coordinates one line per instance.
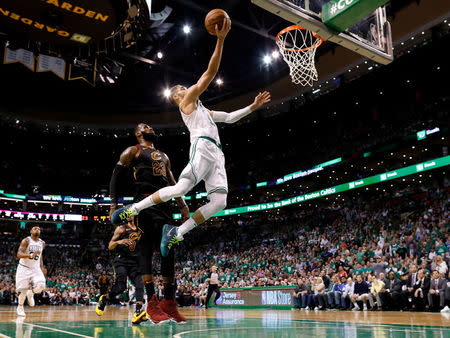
(103, 283)
(151, 171)
(126, 264)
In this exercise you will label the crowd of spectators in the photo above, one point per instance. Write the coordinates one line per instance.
(384, 254)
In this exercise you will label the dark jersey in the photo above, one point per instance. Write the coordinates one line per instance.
(149, 170)
(103, 281)
(129, 252)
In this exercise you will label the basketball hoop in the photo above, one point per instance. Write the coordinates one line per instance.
(298, 46)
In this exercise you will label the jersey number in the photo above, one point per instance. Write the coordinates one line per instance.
(36, 257)
(159, 169)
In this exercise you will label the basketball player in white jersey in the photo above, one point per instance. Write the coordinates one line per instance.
(30, 270)
(206, 160)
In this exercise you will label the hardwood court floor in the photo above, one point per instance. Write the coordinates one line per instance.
(79, 321)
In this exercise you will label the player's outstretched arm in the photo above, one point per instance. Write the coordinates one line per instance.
(196, 90)
(260, 99)
(126, 159)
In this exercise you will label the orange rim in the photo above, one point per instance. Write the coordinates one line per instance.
(298, 27)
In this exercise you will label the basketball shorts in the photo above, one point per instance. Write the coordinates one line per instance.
(151, 222)
(206, 163)
(25, 276)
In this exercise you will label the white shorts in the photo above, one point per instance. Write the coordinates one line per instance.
(360, 297)
(26, 275)
(207, 163)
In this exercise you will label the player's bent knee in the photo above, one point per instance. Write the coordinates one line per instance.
(219, 200)
(39, 288)
(180, 189)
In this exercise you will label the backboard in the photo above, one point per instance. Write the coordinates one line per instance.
(370, 37)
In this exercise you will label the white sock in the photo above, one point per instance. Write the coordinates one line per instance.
(22, 297)
(144, 204)
(186, 227)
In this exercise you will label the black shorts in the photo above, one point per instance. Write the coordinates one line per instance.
(127, 268)
(103, 289)
(131, 265)
(151, 222)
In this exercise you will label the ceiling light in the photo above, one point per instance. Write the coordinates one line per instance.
(186, 29)
(267, 59)
(167, 93)
(159, 55)
(275, 54)
(219, 81)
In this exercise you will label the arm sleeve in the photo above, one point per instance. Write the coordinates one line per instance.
(221, 116)
(117, 172)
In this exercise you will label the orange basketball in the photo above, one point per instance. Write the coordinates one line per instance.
(213, 18)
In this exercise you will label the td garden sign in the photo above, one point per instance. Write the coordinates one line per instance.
(77, 9)
(64, 23)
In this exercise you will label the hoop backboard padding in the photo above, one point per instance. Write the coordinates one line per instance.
(370, 37)
(342, 14)
(298, 47)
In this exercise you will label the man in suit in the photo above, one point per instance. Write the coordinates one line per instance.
(408, 288)
(420, 291)
(446, 309)
(436, 294)
(391, 297)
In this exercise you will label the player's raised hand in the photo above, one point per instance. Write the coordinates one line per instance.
(261, 99)
(226, 26)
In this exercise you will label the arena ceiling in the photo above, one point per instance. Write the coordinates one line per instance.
(138, 93)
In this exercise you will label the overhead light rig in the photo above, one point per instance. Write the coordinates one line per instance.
(77, 33)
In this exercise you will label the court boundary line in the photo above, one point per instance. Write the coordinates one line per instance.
(180, 334)
(358, 322)
(57, 330)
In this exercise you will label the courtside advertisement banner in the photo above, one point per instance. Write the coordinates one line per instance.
(264, 297)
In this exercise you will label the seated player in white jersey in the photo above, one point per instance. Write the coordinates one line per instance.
(206, 160)
(30, 270)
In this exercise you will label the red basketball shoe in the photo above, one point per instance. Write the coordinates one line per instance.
(171, 309)
(154, 312)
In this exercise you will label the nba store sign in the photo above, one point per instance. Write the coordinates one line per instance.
(259, 297)
(276, 297)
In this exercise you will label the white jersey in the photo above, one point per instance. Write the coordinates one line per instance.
(200, 123)
(33, 246)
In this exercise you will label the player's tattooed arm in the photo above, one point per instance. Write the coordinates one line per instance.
(22, 252)
(128, 156)
(115, 239)
(126, 159)
(171, 181)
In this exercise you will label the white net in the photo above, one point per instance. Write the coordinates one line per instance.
(298, 47)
